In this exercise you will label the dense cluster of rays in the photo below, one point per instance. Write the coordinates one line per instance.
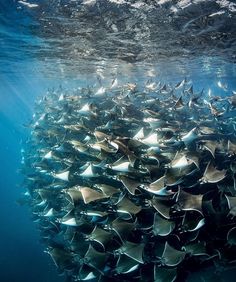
(133, 183)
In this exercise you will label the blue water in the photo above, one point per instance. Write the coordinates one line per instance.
(30, 63)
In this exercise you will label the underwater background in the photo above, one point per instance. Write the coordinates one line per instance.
(52, 44)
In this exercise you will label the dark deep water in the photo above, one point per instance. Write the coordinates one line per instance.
(59, 43)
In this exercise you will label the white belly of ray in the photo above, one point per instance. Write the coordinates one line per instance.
(139, 134)
(88, 172)
(151, 140)
(48, 155)
(49, 213)
(63, 175)
(123, 167)
(180, 163)
(70, 222)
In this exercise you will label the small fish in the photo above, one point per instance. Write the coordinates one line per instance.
(151, 86)
(222, 86)
(27, 4)
(100, 91)
(114, 83)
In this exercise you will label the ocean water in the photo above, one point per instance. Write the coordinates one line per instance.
(64, 43)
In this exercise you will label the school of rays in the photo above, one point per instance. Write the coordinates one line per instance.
(133, 183)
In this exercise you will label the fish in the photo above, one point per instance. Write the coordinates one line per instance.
(172, 257)
(222, 86)
(162, 226)
(213, 175)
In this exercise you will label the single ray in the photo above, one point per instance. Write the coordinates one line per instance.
(189, 201)
(89, 195)
(153, 151)
(87, 273)
(139, 134)
(189, 90)
(69, 221)
(73, 127)
(207, 130)
(179, 103)
(96, 259)
(192, 221)
(100, 236)
(231, 148)
(161, 206)
(180, 162)
(48, 156)
(213, 175)
(151, 140)
(171, 256)
(232, 206)
(211, 147)
(133, 250)
(154, 122)
(107, 190)
(193, 158)
(162, 226)
(130, 184)
(127, 206)
(196, 248)
(158, 188)
(222, 86)
(180, 84)
(105, 146)
(151, 86)
(49, 213)
(28, 5)
(121, 165)
(95, 213)
(233, 168)
(114, 83)
(41, 203)
(214, 111)
(173, 177)
(123, 228)
(89, 172)
(74, 194)
(101, 135)
(163, 89)
(231, 237)
(45, 194)
(134, 144)
(87, 109)
(131, 86)
(100, 91)
(190, 137)
(126, 265)
(162, 274)
(60, 257)
(232, 99)
(121, 144)
(78, 146)
(62, 175)
(158, 184)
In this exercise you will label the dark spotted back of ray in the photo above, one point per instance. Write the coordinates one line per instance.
(118, 140)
